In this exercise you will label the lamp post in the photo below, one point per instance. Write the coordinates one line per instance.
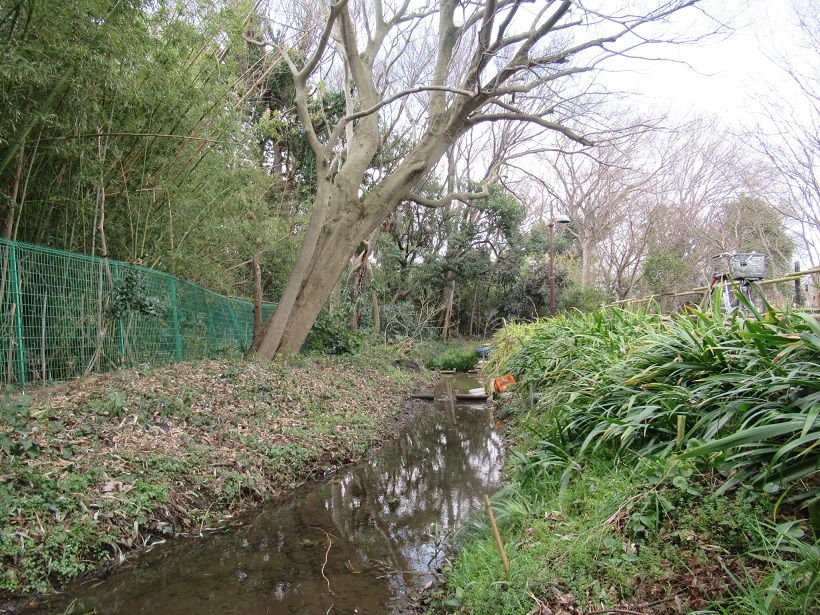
(560, 219)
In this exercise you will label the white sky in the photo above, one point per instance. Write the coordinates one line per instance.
(727, 76)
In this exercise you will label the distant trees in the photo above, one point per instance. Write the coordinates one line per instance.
(651, 209)
(396, 156)
(451, 258)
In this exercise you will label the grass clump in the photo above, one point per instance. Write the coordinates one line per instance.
(613, 537)
(670, 448)
(456, 359)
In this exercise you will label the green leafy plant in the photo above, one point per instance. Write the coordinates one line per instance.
(454, 359)
(715, 419)
(741, 393)
(14, 425)
(131, 297)
(328, 336)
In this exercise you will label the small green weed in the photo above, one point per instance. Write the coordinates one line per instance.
(14, 425)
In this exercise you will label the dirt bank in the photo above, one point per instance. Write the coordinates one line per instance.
(100, 469)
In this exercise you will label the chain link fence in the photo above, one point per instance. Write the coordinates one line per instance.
(64, 315)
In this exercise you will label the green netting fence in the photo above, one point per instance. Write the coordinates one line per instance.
(64, 315)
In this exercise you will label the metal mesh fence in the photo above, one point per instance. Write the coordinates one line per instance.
(64, 315)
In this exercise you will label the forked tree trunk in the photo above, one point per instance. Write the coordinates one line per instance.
(341, 220)
(342, 217)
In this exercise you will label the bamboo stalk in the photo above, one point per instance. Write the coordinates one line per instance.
(498, 542)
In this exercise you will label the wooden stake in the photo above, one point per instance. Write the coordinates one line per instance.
(681, 428)
(498, 542)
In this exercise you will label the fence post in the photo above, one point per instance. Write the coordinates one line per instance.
(798, 288)
(240, 339)
(211, 327)
(115, 272)
(175, 318)
(17, 307)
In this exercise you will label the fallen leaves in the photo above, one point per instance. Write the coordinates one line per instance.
(138, 456)
(116, 486)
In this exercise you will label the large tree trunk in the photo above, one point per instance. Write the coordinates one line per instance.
(341, 220)
(328, 267)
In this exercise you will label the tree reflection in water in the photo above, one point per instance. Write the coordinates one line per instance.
(384, 516)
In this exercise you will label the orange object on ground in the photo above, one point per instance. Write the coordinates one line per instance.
(501, 384)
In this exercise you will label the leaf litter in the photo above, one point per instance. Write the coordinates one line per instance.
(116, 463)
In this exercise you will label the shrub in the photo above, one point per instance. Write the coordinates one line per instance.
(329, 337)
(455, 359)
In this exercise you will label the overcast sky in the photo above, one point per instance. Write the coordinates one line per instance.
(727, 76)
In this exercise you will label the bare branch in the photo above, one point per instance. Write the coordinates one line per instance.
(402, 94)
(479, 118)
(448, 36)
(520, 59)
(464, 197)
(313, 62)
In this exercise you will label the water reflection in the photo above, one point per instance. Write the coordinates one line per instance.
(384, 518)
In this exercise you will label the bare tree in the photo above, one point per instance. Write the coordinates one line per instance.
(472, 64)
(790, 136)
(673, 195)
(598, 193)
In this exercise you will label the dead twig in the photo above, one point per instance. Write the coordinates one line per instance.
(647, 605)
(327, 552)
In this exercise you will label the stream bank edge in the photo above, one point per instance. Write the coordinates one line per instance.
(115, 464)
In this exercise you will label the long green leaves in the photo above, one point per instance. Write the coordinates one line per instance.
(741, 394)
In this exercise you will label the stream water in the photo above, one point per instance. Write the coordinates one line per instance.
(385, 519)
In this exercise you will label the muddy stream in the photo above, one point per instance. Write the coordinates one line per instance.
(386, 518)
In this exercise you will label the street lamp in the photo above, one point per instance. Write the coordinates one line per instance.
(560, 219)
